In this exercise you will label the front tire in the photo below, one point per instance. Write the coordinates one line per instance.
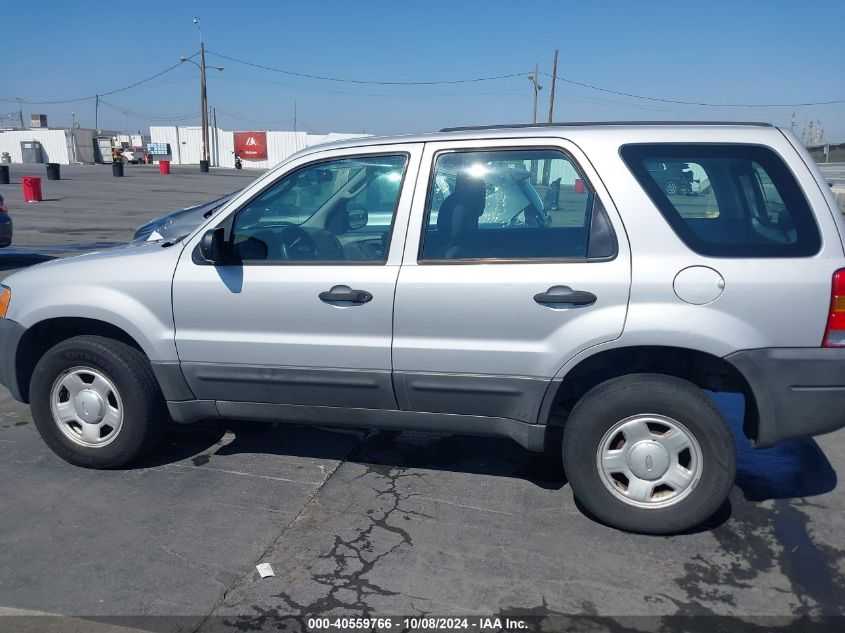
(96, 403)
(649, 453)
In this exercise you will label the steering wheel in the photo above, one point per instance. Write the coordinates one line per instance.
(295, 244)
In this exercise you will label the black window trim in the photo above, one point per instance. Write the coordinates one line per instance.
(508, 260)
(673, 218)
(229, 222)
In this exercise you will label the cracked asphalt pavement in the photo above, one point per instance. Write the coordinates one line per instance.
(375, 523)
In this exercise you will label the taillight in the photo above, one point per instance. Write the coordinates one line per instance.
(834, 334)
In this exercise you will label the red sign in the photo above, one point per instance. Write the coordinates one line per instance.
(251, 145)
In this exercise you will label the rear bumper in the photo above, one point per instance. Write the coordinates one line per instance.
(798, 391)
(11, 334)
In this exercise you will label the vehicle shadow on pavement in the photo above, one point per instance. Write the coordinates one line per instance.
(792, 469)
(10, 261)
(407, 449)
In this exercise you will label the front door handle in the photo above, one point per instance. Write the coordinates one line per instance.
(344, 294)
(565, 297)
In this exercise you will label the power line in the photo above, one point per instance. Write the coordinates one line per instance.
(698, 103)
(102, 94)
(508, 76)
(232, 116)
(392, 95)
(362, 81)
(178, 117)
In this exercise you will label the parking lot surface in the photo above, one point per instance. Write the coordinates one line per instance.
(367, 522)
(89, 208)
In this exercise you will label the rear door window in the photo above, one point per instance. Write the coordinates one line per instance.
(515, 204)
(727, 200)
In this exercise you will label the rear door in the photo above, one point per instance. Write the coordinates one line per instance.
(515, 262)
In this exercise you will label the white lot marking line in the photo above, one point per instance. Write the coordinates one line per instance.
(67, 621)
(464, 505)
(235, 472)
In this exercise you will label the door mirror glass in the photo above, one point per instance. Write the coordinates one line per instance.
(213, 246)
(357, 219)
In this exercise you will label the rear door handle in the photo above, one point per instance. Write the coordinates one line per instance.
(565, 297)
(344, 294)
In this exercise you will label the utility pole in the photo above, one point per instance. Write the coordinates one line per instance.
(552, 92)
(97, 114)
(204, 160)
(203, 105)
(534, 78)
(792, 125)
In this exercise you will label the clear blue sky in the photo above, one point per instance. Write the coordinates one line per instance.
(717, 52)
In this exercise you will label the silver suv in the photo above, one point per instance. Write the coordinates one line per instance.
(425, 283)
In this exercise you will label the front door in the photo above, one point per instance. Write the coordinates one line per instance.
(302, 313)
(515, 262)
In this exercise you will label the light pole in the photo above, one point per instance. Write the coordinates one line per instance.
(534, 78)
(203, 96)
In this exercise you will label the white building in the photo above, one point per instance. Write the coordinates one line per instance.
(57, 145)
(186, 145)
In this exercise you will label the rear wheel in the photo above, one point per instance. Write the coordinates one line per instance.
(649, 453)
(96, 402)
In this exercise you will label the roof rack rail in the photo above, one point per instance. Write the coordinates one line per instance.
(599, 123)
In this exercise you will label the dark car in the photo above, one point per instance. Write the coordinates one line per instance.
(674, 178)
(5, 225)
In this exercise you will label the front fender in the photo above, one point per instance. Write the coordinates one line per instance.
(129, 288)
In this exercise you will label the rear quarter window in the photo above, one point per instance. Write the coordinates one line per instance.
(727, 200)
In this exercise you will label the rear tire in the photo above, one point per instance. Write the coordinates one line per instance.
(96, 403)
(649, 453)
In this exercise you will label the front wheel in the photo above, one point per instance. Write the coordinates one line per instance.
(96, 402)
(649, 453)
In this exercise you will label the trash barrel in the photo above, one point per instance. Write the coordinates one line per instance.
(53, 171)
(204, 166)
(4, 174)
(31, 187)
(117, 169)
(579, 185)
(164, 167)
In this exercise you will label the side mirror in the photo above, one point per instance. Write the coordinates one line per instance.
(357, 218)
(213, 245)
